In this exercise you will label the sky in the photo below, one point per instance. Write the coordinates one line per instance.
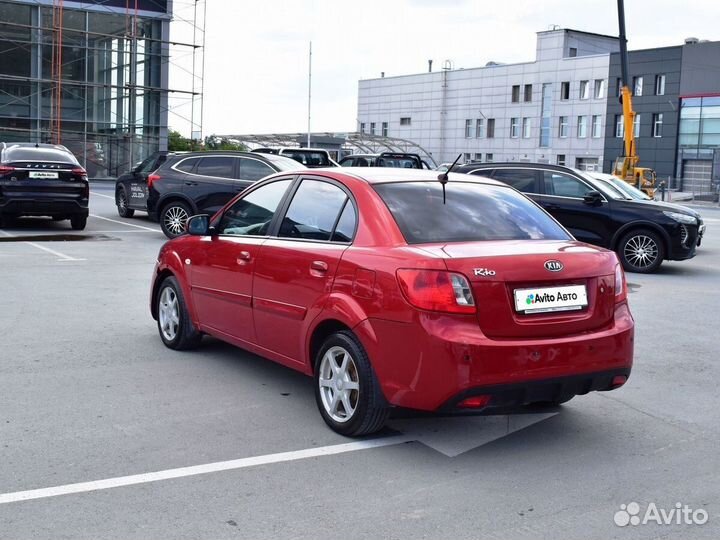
(256, 53)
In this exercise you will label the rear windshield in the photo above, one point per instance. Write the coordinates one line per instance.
(41, 154)
(471, 212)
(308, 157)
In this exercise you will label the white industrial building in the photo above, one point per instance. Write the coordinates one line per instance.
(551, 110)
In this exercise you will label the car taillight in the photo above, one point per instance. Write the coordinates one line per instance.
(5, 169)
(436, 290)
(151, 179)
(620, 284)
(79, 171)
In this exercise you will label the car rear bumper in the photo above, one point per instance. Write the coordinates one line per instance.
(44, 206)
(427, 364)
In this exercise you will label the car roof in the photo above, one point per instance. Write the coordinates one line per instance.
(516, 165)
(386, 175)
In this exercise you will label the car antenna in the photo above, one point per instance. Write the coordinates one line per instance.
(443, 177)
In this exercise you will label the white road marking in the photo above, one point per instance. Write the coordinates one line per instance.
(101, 195)
(126, 224)
(61, 256)
(182, 472)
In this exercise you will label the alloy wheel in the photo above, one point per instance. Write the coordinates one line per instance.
(641, 251)
(169, 313)
(174, 220)
(339, 384)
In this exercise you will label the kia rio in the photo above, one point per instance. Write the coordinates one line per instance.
(397, 288)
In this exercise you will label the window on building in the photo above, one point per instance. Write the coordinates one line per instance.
(362, 127)
(636, 126)
(514, 128)
(478, 157)
(384, 129)
(526, 128)
(405, 121)
(619, 126)
(584, 90)
(488, 158)
(565, 90)
(479, 127)
(528, 92)
(659, 85)
(599, 89)
(657, 124)
(573, 52)
(468, 128)
(546, 115)
(618, 87)
(561, 159)
(372, 128)
(466, 158)
(564, 127)
(582, 127)
(491, 128)
(516, 93)
(637, 86)
(596, 126)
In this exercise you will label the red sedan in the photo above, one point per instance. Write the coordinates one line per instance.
(394, 290)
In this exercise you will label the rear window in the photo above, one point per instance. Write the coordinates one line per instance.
(471, 212)
(41, 154)
(308, 158)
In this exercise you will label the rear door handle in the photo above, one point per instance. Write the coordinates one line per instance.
(318, 268)
(244, 257)
(191, 183)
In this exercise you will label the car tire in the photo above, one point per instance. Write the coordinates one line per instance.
(174, 325)
(121, 201)
(173, 218)
(641, 251)
(78, 223)
(346, 389)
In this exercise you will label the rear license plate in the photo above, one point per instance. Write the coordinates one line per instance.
(44, 174)
(546, 299)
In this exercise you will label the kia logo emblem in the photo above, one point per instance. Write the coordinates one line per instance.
(553, 266)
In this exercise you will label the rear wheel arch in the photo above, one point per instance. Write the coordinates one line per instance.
(319, 334)
(176, 197)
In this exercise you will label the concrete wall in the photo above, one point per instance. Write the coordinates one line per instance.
(439, 103)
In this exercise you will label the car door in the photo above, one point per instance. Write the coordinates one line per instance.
(138, 191)
(249, 171)
(295, 269)
(221, 275)
(211, 185)
(563, 197)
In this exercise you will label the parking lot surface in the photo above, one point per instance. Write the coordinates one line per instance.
(90, 395)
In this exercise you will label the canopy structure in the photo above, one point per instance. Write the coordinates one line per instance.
(343, 143)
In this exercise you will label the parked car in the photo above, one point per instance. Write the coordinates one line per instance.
(626, 191)
(202, 182)
(394, 291)
(131, 188)
(643, 233)
(312, 158)
(399, 160)
(42, 180)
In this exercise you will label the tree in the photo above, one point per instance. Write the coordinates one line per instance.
(213, 142)
(178, 143)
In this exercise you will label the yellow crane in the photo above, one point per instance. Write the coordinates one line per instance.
(626, 166)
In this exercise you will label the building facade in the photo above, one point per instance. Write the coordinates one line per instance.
(93, 76)
(561, 108)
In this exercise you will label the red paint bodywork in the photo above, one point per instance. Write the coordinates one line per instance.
(269, 296)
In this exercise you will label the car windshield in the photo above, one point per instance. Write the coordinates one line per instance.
(607, 189)
(309, 158)
(626, 189)
(284, 163)
(471, 212)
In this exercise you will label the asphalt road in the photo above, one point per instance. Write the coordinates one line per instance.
(88, 393)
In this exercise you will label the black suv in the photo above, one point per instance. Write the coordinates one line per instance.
(643, 233)
(42, 180)
(201, 183)
(399, 160)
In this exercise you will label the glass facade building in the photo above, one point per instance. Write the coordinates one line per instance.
(98, 82)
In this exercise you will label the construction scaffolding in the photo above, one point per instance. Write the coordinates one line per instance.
(95, 76)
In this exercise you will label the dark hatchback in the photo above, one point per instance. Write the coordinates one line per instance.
(200, 183)
(643, 233)
(42, 180)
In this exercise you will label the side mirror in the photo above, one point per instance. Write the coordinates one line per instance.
(593, 198)
(198, 225)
